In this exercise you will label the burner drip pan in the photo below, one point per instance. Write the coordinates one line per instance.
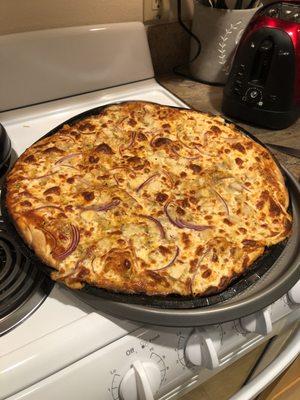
(23, 287)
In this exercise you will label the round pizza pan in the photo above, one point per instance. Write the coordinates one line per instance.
(249, 294)
(269, 277)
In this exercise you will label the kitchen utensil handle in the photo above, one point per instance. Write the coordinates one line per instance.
(255, 386)
(284, 149)
(238, 4)
(252, 4)
(222, 4)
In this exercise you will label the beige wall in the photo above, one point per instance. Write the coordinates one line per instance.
(26, 15)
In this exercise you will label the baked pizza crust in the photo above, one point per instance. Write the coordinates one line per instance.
(145, 198)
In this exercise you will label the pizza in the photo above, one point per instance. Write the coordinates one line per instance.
(144, 198)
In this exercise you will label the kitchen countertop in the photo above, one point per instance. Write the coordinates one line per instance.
(209, 98)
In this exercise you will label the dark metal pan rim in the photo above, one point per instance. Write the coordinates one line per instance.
(235, 288)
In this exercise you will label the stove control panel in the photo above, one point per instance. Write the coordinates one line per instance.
(151, 362)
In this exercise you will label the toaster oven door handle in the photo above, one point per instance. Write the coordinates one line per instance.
(255, 386)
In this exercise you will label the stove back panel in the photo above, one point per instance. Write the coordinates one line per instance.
(50, 64)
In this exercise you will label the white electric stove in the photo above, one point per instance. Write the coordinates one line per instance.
(64, 349)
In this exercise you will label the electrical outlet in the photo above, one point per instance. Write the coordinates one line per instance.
(152, 10)
(155, 5)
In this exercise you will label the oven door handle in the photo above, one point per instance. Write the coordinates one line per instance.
(273, 370)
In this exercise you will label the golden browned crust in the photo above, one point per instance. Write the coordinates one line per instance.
(144, 198)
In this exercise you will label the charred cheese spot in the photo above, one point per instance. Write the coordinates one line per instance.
(195, 168)
(88, 196)
(86, 127)
(52, 190)
(199, 250)
(132, 122)
(104, 148)
(249, 242)
(215, 129)
(29, 159)
(239, 161)
(245, 262)
(141, 137)
(239, 147)
(26, 203)
(93, 159)
(53, 149)
(164, 250)
(186, 239)
(162, 141)
(275, 210)
(161, 197)
(180, 211)
(206, 274)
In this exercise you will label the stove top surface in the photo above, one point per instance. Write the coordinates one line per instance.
(22, 286)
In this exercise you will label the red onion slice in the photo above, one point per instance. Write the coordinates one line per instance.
(245, 188)
(170, 263)
(185, 157)
(155, 137)
(68, 157)
(129, 195)
(68, 137)
(142, 185)
(222, 201)
(172, 220)
(81, 179)
(121, 121)
(167, 174)
(192, 226)
(102, 207)
(158, 224)
(69, 166)
(131, 141)
(203, 153)
(179, 223)
(75, 237)
(49, 206)
(52, 237)
(43, 176)
(196, 145)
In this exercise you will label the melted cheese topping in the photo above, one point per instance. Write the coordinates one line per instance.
(144, 198)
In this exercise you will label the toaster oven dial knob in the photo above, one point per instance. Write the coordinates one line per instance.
(294, 294)
(202, 348)
(141, 382)
(259, 322)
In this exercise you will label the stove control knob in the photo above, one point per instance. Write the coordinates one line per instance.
(141, 382)
(294, 294)
(202, 348)
(259, 322)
